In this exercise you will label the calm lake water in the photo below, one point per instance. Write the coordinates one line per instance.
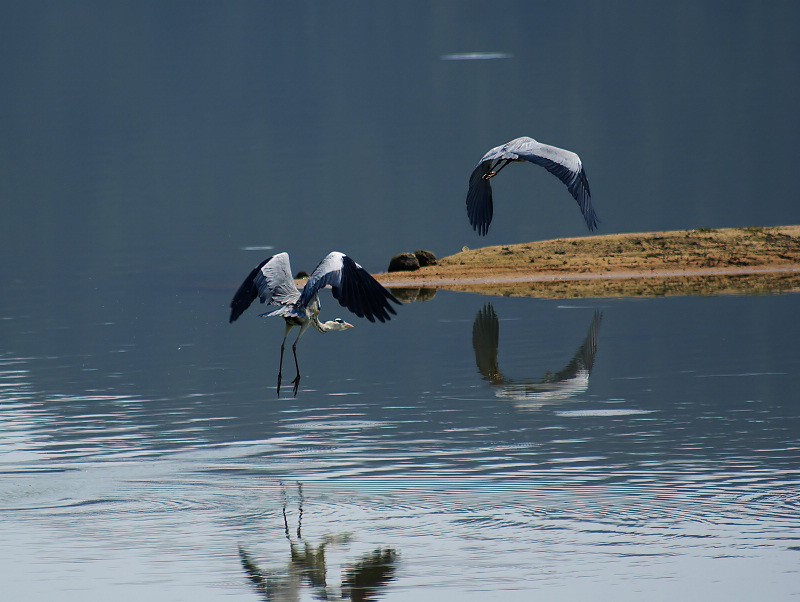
(475, 447)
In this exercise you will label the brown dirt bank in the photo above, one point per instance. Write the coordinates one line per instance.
(681, 262)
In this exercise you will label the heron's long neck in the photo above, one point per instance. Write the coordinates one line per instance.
(312, 311)
(320, 326)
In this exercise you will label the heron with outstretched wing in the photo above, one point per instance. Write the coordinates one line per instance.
(272, 283)
(563, 164)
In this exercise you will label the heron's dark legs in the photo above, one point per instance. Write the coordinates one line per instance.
(500, 165)
(303, 327)
(296, 381)
(280, 369)
(280, 366)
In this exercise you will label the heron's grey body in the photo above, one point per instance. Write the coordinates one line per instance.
(272, 282)
(563, 164)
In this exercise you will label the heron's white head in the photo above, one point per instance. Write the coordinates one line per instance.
(337, 324)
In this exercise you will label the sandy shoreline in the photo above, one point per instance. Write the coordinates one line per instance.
(680, 262)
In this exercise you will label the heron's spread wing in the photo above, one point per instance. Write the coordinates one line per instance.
(275, 282)
(567, 167)
(246, 294)
(352, 286)
(479, 199)
(480, 207)
(271, 280)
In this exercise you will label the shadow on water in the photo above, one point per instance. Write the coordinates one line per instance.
(308, 567)
(532, 393)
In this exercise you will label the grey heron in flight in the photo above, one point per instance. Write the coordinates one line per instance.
(563, 164)
(271, 281)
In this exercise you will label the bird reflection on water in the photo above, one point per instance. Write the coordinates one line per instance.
(532, 393)
(361, 580)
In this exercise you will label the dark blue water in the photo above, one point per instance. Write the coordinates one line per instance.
(478, 447)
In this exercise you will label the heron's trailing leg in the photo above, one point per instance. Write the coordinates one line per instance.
(303, 327)
(280, 365)
(501, 164)
(296, 381)
(280, 369)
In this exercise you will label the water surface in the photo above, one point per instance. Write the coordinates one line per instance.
(669, 462)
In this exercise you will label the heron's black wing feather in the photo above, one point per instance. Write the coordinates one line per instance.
(247, 293)
(353, 287)
(479, 199)
(362, 294)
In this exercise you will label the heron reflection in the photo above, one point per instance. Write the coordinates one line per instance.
(571, 380)
(361, 580)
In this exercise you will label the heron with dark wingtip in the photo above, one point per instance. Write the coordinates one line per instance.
(563, 164)
(272, 282)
